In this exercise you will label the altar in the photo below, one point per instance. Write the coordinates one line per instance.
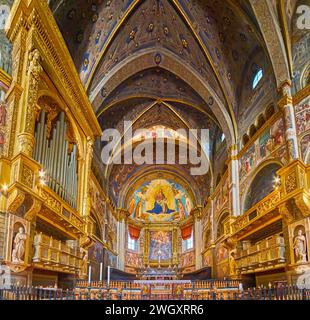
(159, 274)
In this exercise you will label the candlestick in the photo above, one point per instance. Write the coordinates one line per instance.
(100, 276)
(89, 275)
(108, 279)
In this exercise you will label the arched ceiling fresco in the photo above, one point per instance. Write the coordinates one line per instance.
(173, 63)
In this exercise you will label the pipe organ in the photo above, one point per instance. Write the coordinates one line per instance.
(58, 156)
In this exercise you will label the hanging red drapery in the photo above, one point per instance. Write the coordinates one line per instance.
(187, 232)
(134, 232)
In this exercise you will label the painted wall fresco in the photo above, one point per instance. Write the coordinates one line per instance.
(302, 112)
(160, 200)
(207, 259)
(101, 209)
(269, 144)
(222, 262)
(160, 245)
(3, 120)
(133, 259)
(95, 257)
(110, 259)
(5, 45)
(188, 259)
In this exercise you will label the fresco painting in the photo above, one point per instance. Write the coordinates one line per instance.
(160, 200)
(266, 145)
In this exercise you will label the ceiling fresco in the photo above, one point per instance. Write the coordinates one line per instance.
(170, 63)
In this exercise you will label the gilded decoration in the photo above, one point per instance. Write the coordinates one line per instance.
(27, 176)
(163, 65)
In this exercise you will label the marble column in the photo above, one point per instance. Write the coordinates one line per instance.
(233, 165)
(198, 238)
(121, 240)
(286, 105)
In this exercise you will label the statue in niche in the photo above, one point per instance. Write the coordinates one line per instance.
(300, 248)
(19, 246)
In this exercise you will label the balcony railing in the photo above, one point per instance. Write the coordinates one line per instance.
(264, 254)
(56, 254)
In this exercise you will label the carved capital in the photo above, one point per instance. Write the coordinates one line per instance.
(26, 143)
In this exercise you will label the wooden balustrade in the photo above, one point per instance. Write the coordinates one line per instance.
(55, 254)
(267, 253)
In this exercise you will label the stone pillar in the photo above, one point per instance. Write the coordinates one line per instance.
(121, 240)
(286, 104)
(233, 169)
(198, 237)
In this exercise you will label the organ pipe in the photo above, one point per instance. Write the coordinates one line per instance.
(52, 153)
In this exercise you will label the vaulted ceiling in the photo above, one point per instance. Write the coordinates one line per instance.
(175, 63)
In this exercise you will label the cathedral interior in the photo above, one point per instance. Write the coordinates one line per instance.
(76, 214)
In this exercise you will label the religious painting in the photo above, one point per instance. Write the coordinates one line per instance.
(247, 161)
(207, 259)
(264, 141)
(305, 148)
(160, 200)
(266, 145)
(132, 259)
(110, 259)
(303, 116)
(160, 245)
(188, 259)
(221, 254)
(95, 257)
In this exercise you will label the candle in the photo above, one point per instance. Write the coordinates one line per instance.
(108, 280)
(100, 279)
(89, 275)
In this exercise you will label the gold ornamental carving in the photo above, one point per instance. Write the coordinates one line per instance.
(51, 202)
(34, 71)
(290, 182)
(27, 176)
(34, 210)
(15, 200)
(269, 204)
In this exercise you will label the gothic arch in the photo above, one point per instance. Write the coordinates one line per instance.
(171, 62)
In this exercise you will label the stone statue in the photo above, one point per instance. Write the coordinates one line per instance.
(300, 247)
(19, 246)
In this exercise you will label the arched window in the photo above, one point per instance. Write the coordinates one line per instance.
(264, 182)
(269, 111)
(261, 121)
(245, 139)
(132, 244)
(252, 130)
(258, 76)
